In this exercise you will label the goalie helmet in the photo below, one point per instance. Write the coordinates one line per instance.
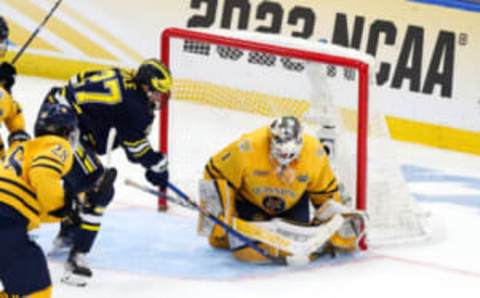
(57, 119)
(286, 140)
(3, 36)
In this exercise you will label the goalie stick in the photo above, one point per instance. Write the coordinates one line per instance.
(300, 241)
(112, 134)
(186, 199)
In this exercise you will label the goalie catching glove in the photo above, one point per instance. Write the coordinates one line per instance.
(158, 173)
(353, 229)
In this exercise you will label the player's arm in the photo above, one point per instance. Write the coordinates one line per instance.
(324, 184)
(227, 164)
(46, 172)
(139, 150)
(15, 123)
(326, 198)
(224, 173)
(222, 178)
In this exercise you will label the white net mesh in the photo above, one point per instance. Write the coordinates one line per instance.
(229, 89)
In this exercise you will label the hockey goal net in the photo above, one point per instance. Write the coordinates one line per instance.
(228, 83)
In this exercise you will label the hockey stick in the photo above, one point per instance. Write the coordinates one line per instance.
(206, 213)
(167, 197)
(112, 134)
(34, 34)
(297, 240)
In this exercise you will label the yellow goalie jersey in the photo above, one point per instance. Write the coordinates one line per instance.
(11, 115)
(31, 177)
(248, 168)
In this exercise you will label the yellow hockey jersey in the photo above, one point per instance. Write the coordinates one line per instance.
(10, 112)
(248, 168)
(31, 177)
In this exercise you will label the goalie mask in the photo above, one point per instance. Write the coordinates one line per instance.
(286, 139)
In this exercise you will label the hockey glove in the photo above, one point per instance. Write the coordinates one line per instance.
(357, 218)
(18, 136)
(7, 76)
(158, 173)
(67, 211)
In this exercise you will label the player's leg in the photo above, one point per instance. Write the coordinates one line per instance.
(23, 267)
(95, 187)
(215, 196)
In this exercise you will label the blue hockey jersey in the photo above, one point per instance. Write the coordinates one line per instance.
(110, 98)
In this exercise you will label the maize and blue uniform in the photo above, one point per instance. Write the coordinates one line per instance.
(103, 100)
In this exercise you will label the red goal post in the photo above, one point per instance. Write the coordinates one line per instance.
(270, 48)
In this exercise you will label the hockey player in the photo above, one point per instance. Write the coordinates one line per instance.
(274, 172)
(10, 111)
(31, 193)
(112, 98)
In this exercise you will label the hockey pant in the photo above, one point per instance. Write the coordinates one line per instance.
(23, 267)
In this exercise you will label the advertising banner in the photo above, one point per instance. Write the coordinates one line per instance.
(427, 76)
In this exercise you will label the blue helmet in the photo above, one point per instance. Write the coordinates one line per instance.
(56, 119)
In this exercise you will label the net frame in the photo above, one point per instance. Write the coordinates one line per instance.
(361, 65)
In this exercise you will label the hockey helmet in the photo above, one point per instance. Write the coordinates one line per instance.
(286, 139)
(155, 75)
(57, 119)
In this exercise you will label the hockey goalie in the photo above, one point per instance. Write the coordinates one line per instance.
(275, 185)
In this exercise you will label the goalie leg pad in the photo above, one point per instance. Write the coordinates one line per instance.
(218, 238)
(247, 254)
(216, 197)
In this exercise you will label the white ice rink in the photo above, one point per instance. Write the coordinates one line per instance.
(142, 253)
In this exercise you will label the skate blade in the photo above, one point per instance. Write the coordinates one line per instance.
(74, 280)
